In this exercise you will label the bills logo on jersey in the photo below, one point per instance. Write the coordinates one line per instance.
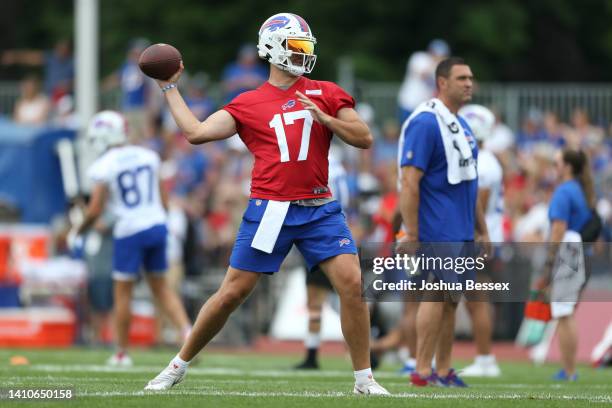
(275, 23)
(344, 241)
(290, 104)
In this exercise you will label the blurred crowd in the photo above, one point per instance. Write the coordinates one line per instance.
(48, 100)
(209, 184)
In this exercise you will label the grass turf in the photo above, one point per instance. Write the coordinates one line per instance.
(249, 380)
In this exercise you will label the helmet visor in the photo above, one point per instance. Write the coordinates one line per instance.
(301, 46)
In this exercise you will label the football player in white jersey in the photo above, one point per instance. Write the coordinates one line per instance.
(490, 192)
(126, 178)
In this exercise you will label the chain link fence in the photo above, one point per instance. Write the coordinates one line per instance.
(512, 100)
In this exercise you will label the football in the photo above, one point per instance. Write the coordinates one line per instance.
(160, 61)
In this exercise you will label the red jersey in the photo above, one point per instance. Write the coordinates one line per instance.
(289, 146)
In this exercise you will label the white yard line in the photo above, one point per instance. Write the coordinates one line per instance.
(15, 380)
(432, 396)
(195, 371)
(212, 371)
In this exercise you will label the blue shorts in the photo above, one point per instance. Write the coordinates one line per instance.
(100, 293)
(146, 248)
(319, 233)
(445, 252)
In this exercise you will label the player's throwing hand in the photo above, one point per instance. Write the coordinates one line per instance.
(317, 114)
(173, 79)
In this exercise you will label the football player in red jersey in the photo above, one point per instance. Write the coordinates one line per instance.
(287, 124)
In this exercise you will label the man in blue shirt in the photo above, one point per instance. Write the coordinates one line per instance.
(138, 103)
(58, 66)
(434, 210)
(244, 74)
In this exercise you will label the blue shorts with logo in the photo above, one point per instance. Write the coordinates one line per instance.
(144, 249)
(319, 233)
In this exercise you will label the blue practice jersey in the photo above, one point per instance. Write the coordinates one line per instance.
(447, 212)
(133, 87)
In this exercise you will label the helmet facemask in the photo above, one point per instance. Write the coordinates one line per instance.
(301, 58)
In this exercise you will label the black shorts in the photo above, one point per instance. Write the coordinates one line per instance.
(316, 277)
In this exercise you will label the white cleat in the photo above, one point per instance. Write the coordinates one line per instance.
(119, 360)
(482, 368)
(169, 377)
(370, 388)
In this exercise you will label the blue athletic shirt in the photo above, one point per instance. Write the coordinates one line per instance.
(133, 87)
(569, 204)
(447, 212)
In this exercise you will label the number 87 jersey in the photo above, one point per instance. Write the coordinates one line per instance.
(131, 175)
(289, 146)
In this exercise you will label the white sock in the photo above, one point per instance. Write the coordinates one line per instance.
(485, 359)
(404, 354)
(363, 376)
(312, 340)
(185, 332)
(177, 361)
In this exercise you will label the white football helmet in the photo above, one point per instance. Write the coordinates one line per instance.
(285, 40)
(106, 128)
(480, 119)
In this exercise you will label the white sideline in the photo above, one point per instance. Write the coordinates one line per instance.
(16, 380)
(19, 380)
(197, 370)
(307, 394)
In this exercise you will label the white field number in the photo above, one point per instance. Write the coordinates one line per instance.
(289, 118)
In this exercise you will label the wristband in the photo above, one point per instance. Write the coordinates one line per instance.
(168, 87)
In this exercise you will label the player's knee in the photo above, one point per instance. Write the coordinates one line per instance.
(349, 286)
(230, 299)
(158, 290)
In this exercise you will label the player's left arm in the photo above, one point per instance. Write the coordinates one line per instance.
(557, 231)
(96, 205)
(163, 195)
(483, 196)
(481, 226)
(347, 124)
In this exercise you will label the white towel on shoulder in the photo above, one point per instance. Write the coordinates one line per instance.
(460, 162)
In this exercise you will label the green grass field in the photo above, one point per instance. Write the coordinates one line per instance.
(249, 380)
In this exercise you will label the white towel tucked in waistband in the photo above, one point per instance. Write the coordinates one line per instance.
(270, 226)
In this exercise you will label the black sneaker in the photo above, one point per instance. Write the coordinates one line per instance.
(307, 365)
